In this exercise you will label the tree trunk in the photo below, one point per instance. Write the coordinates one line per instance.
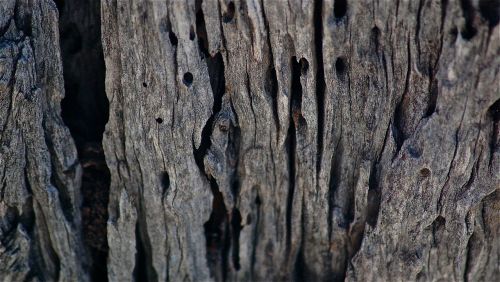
(250, 140)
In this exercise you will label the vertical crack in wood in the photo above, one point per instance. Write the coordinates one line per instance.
(399, 132)
(494, 115)
(201, 30)
(271, 78)
(291, 144)
(218, 229)
(490, 10)
(320, 78)
(333, 183)
(291, 141)
(85, 111)
(373, 201)
(143, 270)
(468, 30)
(217, 235)
(236, 227)
(256, 233)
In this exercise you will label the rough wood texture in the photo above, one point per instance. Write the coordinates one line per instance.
(346, 136)
(39, 170)
(262, 140)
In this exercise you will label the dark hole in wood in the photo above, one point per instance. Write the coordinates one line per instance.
(304, 66)
(236, 229)
(453, 34)
(374, 197)
(144, 84)
(340, 66)
(425, 172)
(216, 233)
(187, 79)
(159, 120)
(258, 201)
(192, 34)
(340, 8)
(271, 87)
(229, 13)
(490, 10)
(173, 38)
(494, 111)
(468, 30)
(296, 93)
(201, 31)
(433, 95)
(165, 182)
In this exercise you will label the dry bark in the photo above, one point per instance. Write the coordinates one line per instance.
(252, 140)
(39, 169)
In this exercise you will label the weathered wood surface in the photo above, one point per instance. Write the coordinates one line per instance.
(262, 140)
(39, 169)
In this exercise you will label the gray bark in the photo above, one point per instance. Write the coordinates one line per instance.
(251, 140)
(39, 169)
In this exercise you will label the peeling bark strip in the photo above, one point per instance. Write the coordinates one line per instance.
(249, 140)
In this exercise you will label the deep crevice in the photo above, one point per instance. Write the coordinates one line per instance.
(85, 111)
(399, 124)
(468, 30)
(217, 82)
(228, 15)
(217, 228)
(271, 87)
(295, 119)
(494, 115)
(320, 79)
(201, 30)
(233, 153)
(339, 9)
(475, 246)
(300, 268)
(271, 77)
(255, 236)
(374, 197)
(143, 269)
(341, 67)
(139, 273)
(296, 93)
(290, 142)
(438, 228)
(165, 183)
(490, 10)
(217, 235)
(433, 95)
(333, 183)
(236, 230)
